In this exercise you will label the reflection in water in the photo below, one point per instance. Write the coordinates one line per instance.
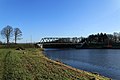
(103, 61)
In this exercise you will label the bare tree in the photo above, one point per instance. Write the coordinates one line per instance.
(7, 32)
(17, 34)
(116, 36)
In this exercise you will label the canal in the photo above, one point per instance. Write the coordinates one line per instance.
(103, 61)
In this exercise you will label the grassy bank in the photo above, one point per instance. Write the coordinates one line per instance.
(31, 64)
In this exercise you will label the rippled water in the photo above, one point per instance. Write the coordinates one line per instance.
(104, 61)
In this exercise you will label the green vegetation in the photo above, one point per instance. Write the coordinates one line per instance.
(31, 64)
(24, 45)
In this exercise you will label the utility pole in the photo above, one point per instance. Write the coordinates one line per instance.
(26, 41)
(31, 39)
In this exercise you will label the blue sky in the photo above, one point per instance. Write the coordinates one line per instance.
(60, 18)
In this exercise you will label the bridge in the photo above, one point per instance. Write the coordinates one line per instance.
(56, 42)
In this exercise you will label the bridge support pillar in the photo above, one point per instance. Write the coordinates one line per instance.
(41, 45)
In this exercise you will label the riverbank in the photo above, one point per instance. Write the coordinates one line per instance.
(100, 46)
(31, 64)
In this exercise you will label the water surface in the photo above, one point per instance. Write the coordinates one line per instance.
(104, 61)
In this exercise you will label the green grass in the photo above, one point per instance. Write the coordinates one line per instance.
(31, 64)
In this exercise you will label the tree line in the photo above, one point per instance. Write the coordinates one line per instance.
(8, 32)
(102, 38)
